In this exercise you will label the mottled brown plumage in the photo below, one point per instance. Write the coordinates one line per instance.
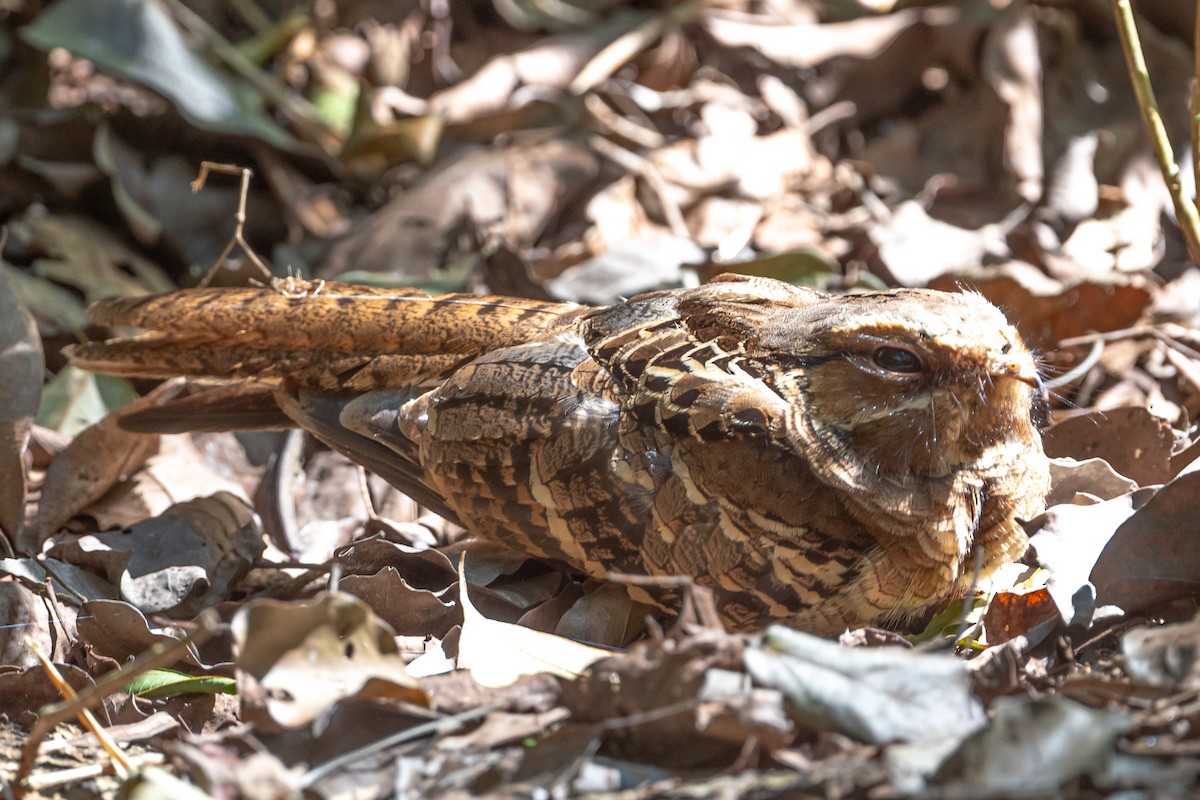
(816, 460)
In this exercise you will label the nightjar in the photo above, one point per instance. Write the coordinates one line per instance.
(821, 461)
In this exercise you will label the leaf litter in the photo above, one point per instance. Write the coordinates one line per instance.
(584, 151)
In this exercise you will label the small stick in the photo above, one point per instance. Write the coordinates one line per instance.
(159, 655)
(120, 764)
(1185, 209)
(240, 217)
(1089, 361)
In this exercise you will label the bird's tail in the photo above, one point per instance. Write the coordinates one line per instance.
(315, 336)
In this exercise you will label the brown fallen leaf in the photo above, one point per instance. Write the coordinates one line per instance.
(1013, 614)
(23, 614)
(1152, 558)
(115, 630)
(184, 560)
(297, 660)
(175, 473)
(93, 463)
(1134, 442)
(1047, 312)
(22, 365)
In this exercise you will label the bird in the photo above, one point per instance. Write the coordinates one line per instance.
(816, 460)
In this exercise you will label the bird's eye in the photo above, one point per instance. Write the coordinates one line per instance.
(897, 359)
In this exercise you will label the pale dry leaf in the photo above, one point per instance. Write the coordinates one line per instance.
(498, 653)
(916, 248)
(758, 167)
(618, 216)
(1117, 243)
(434, 660)
(552, 63)
(1072, 191)
(724, 224)
(1180, 299)
(626, 270)
(807, 45)
(1167, 656)
(874, 695)
(1093, 477)
(297, 660)
(1032, 747)
(1069, 540)
(1012, 65)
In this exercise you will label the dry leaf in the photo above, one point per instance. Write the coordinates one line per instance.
(299, 659)
(498, 653)
(874, 695)
(22, 365)
(1131, 440)
(92, 464)
(184, 560)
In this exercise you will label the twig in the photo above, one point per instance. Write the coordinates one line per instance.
(72, 777)
(1135, 332)
(443, 726)
(240, 217)
(614, 123)
(364, 489)
(159, 655)
(1080, 369)
(86, 718)
(1195, 110)
(1185, 209)
(641, 167)
(965, 626)
(697, 599)
(837, 112)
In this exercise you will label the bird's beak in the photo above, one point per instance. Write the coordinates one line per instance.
(1023, 371)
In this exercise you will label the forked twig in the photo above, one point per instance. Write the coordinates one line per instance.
(240, 217)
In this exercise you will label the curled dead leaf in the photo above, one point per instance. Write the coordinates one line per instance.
(296, 660)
